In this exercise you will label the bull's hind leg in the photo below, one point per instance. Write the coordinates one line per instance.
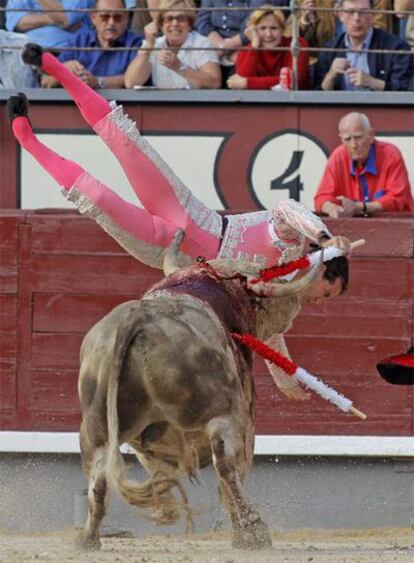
(248, 529)
(94, 466)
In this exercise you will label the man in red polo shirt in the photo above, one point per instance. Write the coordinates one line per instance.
(363, 175)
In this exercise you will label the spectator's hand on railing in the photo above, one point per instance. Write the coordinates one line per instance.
(82, 72)
(348, 208)
(237, 82)
(75, 66)
(332, 209)
(363, 80)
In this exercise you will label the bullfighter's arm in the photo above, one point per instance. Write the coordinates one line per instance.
(286, 383)
(293, 223)
(292, 219)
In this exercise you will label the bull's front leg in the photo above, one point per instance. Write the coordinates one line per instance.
(249, 531)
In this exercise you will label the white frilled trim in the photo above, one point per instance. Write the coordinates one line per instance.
(148, 254)
(206, 218)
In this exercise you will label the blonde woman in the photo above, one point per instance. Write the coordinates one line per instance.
(180, 58)
(258, 67)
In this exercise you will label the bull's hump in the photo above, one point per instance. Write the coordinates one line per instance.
(227, 298)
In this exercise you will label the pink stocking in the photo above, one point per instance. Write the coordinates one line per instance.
(140, 233)
(92, 106)
(64, 171)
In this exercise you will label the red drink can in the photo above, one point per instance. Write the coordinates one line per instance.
(285, 79)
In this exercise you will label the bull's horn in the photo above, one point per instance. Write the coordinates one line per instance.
(288, 288)
(170, 263)
(228, 267)
(357, 243)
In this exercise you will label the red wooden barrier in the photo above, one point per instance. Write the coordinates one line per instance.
(60, 273)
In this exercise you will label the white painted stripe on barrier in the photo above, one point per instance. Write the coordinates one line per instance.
(360, 446)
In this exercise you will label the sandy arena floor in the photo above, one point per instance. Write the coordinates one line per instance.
(369, 546)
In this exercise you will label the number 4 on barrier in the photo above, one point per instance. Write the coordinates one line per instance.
(293, 184)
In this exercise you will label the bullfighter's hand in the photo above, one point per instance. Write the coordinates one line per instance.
(297, 393)
(342, 243)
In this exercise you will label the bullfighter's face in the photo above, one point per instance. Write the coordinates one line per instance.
(320, 290)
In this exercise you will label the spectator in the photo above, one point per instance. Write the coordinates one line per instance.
(144, 16)
(364, 175)
(358, 70)
(379, 19)
(14, 74)
(407, 21)
(260, 69)
(177, 59)
(226, 28)
(104, 68)
(48, 29)
(317, 27)
(3, 14)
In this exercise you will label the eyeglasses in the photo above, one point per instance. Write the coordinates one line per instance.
(179, 18)
(105, 17)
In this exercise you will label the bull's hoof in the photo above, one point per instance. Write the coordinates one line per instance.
(254, 536)
(88, 543)
(32, 54)
(17, 106)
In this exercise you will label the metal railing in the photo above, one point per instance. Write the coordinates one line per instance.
(294, 10)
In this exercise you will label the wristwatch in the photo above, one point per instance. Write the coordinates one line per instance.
(182, 68)
(101, 82)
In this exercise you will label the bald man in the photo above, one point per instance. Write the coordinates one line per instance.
(363, 176)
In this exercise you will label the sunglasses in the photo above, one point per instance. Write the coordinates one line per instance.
(105, 17)
(179, 18)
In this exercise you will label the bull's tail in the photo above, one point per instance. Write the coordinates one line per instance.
(155, 493)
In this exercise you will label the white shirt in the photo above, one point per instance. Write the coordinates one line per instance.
(163, 77)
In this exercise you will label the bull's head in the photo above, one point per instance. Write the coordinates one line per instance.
(227, 268)
(230, 267)
(286, 289)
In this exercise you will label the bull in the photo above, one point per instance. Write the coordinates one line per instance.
(164, 375)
